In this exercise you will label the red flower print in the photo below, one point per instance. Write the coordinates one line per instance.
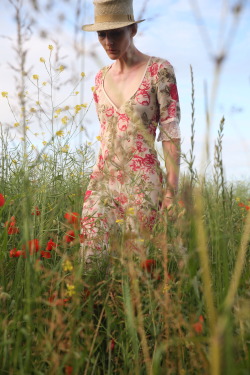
(153, 69)
(122, 198)
(69, 236)
(37, 212)
(45, 254)
(2, 200)
(143, 97)
(148, 265)
(96, 98)
(72, 217)
(33, 246)
(87, 195)
(173, 91)
(100, 162)
(198, 326)
(171, 110)
(123, 121)
(98, 78)
(109, 112)
(50, 245)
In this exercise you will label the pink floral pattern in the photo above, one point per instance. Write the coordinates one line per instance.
(127, 174)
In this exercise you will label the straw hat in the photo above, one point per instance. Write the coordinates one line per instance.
(112, 14)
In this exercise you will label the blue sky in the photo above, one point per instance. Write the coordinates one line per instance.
(170, 31)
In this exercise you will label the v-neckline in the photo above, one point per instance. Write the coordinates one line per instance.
(126, 101)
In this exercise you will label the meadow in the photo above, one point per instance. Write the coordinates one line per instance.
(178, 306)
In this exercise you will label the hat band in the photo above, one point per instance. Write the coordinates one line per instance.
(114, 18)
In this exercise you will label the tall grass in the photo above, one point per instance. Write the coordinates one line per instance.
(179, 304)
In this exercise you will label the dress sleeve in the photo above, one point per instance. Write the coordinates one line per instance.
(168, 101)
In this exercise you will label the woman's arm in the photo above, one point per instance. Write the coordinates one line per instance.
(171, 151)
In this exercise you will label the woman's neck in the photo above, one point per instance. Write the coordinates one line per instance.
(129, 60)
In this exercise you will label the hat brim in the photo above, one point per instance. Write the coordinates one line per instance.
(100, 26)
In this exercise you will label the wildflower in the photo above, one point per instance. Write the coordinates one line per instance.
(84, 105)
(76, 92)
(4, 94)
(83, 74)
(32, 110)
(51, 245)
(14, 161)
(65, 120)
(45, 156)
(50, 47)
(112, 345)
(72, 217)
(77, 108)
(14, 253)
(119, 221)
(60, 133)
(71, 290)
(32, 245)
(44, 83)
(237, 199)
(37, 102)
(45, 254)
(42, 59)
(98, 138)
(130, 211)
(58, 111)
(58, 301)
(93, 88)
(37, 212)
(69, 236)
(22, 139)
(82, 128)
(148, 265)
(89, 143)
(65, 148)
(61, 68)
(68, 370)
(11, 225)
(36, 134)
(35, 76)
(66, 108)
(67, 266)
(44, 143)
(16, 124)
(198, 326)
(2, 200)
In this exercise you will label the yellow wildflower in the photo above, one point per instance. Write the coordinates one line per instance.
(77, 108)
(22, 139)
(50, 47)
(14, 161)
(66, 108)
(32, 110)
(4, 94)
(25, 156)
(44, 143)
(93, 88)
(16, 124)
(82, 128)
(37, 102)
(76, 92)
(98, 138)
(36, 134)
(60, 133)
(130, 211)
(67, 266)
(27, 127)
(35, 76)
(165, 288)
(237, 199)
(65, 148)
(33, 147)
(44, 83)
(71, 290)
(84, 105)
(58, 111)
(65, 120)
(42, 59)
(83, 74)
(45, 156)
(61, 68)
(119, 221)
(89, 143)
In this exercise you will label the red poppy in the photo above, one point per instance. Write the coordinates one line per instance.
(11, 225)
(148, 265)
(14, 253)
(2, 200)
(50, 245)
(33, 246)
(68, 370)
(37, 212)
(112, 345)
(72, 217)
(241, 204)
(58, 301)
(69, 236)
(198, 326)
(13, 230)
(45, 254)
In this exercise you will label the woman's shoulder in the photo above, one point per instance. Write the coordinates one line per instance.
(161, 62)
(101, 74)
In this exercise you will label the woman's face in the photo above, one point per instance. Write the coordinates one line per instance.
(116, 42)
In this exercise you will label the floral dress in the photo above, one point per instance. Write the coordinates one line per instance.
(126, 183)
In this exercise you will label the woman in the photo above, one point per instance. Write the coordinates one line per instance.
(132, 96)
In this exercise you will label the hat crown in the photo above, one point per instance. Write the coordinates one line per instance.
(113, 7)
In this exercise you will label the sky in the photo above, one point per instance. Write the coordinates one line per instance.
(186, 33)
